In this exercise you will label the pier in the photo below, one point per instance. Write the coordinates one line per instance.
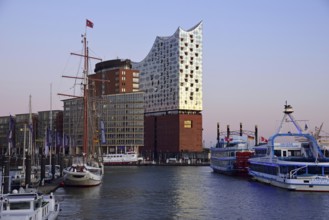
(50, 186)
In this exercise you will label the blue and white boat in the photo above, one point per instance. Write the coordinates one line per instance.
(296, 165)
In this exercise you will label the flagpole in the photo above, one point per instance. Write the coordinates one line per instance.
(24, 147)
(63, 142)
(30, 127)
(50, 124)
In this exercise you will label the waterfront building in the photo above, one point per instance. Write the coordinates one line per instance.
(22, 128)
(4, 131)
(171, 77)
(73, 124)
(114, 93)
(123, 117)
(114, 77)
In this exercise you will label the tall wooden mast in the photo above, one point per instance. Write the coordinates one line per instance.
(85, 79)
(85, 96)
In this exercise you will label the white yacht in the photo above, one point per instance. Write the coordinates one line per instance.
(83, 174)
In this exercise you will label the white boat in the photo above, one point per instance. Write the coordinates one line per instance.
(49, 174)
(18, 177)
(231, 154)
(299, 166)
(86, 169)
(28, 205)
(121, 159)
(83, 174)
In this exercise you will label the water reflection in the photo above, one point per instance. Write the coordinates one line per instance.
(185, 193)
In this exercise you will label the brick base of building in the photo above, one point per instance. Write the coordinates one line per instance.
(172, 133)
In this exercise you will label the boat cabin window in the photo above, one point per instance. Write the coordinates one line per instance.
(260, 152)
(19, 205)
(315, 170)
(295, 153)
(277, 153)
(284, 153)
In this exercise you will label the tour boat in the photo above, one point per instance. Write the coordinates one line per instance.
(296, 162)
(231, 154)
(121, 159)
(86, 169)
(28, 205)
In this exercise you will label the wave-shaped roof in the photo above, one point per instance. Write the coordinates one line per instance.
(166, 38)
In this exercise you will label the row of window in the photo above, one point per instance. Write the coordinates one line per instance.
(264, 169)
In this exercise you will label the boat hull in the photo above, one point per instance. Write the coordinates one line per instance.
(81, 179)
(314, 183)
(223, 170)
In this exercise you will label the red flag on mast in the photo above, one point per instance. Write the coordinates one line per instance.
(89, 24)
(264, 140)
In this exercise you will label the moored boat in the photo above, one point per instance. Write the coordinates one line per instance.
(299, 166)
(83, 174)
(28, 205)
(86, 169)
(230, 156)
(121, 159)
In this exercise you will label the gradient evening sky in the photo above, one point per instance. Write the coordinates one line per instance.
(257, 54)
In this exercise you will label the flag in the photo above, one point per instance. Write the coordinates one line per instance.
(30, 127)
(66, 140)
(264, 140)
(48, 137)
(89, 24)
(228, 139)
(58, 139)
(11, 128)
(103, 141)
(46, 142)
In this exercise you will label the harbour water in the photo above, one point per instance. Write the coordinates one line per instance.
(174, 192)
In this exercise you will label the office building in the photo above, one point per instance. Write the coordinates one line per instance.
(118, 104)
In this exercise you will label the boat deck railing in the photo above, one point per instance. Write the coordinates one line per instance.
(303, 159)
(293, 172)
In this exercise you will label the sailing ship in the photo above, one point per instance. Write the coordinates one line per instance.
(293, 161)
(86, 169)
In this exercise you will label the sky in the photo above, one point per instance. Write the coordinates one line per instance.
(256, 54)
